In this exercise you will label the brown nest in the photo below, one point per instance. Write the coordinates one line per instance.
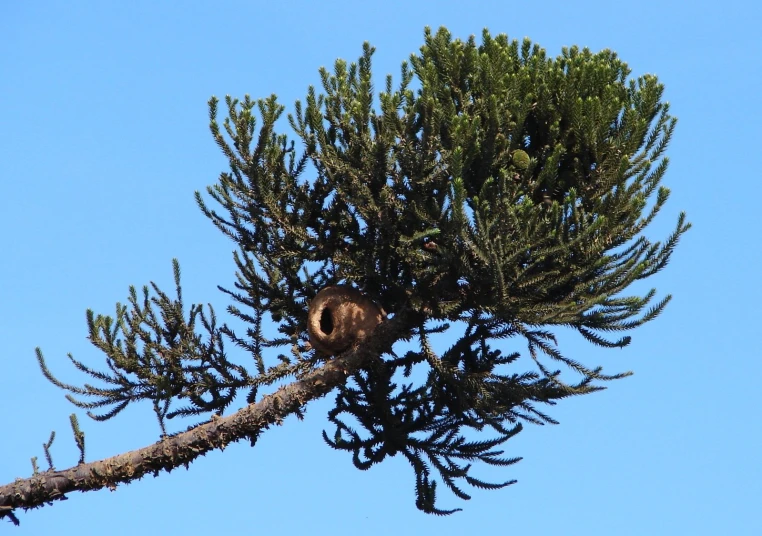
(340, 316)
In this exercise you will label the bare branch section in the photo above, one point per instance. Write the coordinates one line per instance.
(180, 450)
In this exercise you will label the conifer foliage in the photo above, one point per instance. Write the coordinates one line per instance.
(493, 193)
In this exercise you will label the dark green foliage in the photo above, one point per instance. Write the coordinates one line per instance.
(46, 449)
(79, 436)
(157, 358)
(495, 190)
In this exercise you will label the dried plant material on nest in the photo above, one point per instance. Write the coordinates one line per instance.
(339, 316)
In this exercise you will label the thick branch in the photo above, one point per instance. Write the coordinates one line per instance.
(174, 451)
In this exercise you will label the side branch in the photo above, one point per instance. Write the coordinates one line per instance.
(173, 451)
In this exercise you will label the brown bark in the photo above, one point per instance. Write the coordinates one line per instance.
(181, 449)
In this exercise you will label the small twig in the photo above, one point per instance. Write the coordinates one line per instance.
(79, 437)
(46, 448)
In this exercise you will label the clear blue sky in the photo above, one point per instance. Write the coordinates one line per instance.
(104, 138)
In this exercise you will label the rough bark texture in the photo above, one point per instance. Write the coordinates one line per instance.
(181, 449)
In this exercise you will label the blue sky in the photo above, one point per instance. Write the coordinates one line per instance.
(104, 138)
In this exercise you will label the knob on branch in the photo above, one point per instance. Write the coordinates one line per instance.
(339, 316)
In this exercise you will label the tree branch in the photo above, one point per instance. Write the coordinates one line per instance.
(173, 451)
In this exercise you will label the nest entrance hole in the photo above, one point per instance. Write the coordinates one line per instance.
(326, 321)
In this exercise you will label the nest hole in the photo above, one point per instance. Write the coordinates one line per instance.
(326, 321)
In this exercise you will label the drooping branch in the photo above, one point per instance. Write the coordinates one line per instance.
(181, 449)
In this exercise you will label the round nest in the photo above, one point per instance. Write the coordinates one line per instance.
(340, 316)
